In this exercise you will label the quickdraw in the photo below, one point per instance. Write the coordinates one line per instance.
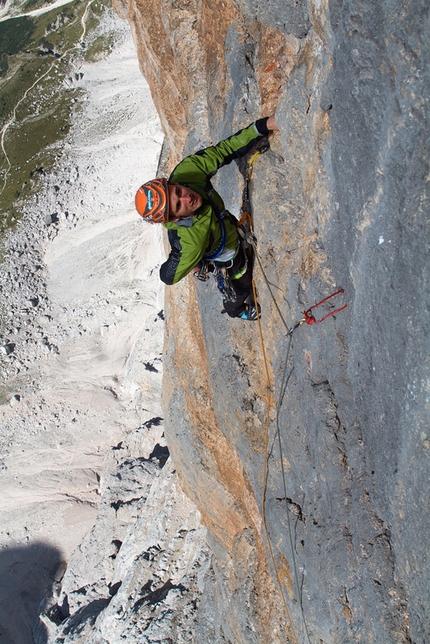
(222, 278)
(245, 227)
(223, 283)
(203, 273)
(246, 202)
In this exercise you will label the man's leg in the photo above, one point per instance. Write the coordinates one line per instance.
(234, 309)
(242, 286)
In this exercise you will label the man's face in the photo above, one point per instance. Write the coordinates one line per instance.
(183, 201)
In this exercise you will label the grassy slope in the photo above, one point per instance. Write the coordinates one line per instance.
(39, 59)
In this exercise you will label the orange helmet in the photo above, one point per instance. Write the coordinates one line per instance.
(152, 201)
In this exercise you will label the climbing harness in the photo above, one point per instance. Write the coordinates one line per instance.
(222, 278)
(209, 264)
(221, 246)
(246, 202)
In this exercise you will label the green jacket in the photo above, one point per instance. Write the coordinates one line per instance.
(200, 234)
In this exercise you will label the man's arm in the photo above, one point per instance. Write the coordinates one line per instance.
(198, 168)
(188, 245)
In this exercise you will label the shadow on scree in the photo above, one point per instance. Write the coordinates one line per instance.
(27, 576)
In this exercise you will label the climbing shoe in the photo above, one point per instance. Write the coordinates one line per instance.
(250, 312)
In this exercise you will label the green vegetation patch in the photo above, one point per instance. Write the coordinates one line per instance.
(15, 35)
(38, 92)
(36, 146)
(24, 71)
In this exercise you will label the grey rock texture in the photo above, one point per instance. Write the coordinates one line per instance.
(339, 201)
(312, 481)
(137, 574)
(288, 16)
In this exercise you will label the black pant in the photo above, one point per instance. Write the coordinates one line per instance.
(242, 286)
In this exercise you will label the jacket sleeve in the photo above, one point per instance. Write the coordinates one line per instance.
(168, 269)
(187, 249)
(202, 165)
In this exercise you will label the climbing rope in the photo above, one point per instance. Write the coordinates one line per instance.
(265, 476)
(251, 240)
(308, 318)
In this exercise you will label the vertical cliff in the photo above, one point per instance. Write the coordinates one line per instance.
(317, 521)
(339, 201)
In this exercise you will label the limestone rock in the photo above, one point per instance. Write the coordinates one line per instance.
(339, 201)
(138, 575)
(312, 484)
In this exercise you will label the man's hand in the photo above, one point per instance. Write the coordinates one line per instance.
(272, 124)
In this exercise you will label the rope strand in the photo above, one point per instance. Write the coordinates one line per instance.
(308, 319)
(252, 242)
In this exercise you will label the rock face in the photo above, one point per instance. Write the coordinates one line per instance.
(310, 480)
(138, 570)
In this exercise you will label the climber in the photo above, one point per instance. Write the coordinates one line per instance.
(200, 231)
